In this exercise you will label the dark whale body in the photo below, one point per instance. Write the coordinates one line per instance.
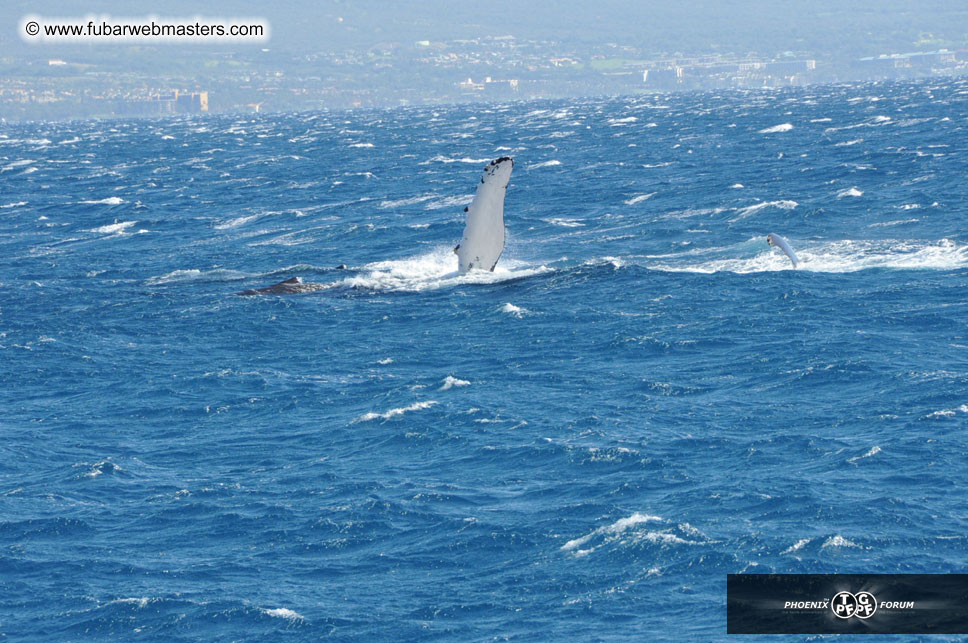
(291, 286)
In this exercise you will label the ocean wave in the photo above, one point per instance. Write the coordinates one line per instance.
(783, 127)
(838, 541)
(874, 450)
(629, 532)
(890, 224)
(98, 469)
(516, 311)
(111, 200)
(283, 612)
(25, 141)
(536, 166)
(413, 200)
(945, 413)
(193, 275)
(16, 164)
(565, 223)
(616, 528)
(138, 602)
(797, 546)
(392, 413)
(431, 271)
(114, 228)
(450, 382)
(850, 192)
(783, 204)
(832, 256)
(450, 202)
(237, 221)
(639, 198)
(446, 159)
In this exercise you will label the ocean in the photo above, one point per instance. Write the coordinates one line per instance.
(642, 398)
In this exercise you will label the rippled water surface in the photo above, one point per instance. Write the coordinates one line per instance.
(642, 398)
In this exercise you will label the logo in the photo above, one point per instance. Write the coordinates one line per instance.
(861, 605)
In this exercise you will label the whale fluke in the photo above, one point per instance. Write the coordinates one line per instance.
(483, 240)
(288, 287)
(784, 245)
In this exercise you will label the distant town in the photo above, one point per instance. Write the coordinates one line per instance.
(139, 81)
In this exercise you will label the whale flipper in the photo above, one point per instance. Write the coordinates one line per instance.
(483, 240)
(290, 286)
(784, 245)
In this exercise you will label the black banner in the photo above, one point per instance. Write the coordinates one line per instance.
(847, 604)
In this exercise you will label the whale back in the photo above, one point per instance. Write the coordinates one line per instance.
(483, 240)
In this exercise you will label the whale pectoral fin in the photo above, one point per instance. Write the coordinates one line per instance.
(784, 245)
(484, 233)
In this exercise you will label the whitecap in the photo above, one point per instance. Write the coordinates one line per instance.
(416, 406)
(831, 256)
(283, 612)
(111, 200)
(195, 275)
(889, 224)
(450, 382)
(948, 412)
(783, 204)
(797, 546)
(446, 159)
(849, 193)
(783, 127)
(17, 164)
(838, 541)
(566, 223)
(413, 200)
(433, 270)
(511, 309)
(639, 198)
(616, 528)
(874, 450)
(137, 602)
(114, 228)
(450, 202)
(536, 166)
(233, 223)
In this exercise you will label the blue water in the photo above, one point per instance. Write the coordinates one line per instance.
(642, 398)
